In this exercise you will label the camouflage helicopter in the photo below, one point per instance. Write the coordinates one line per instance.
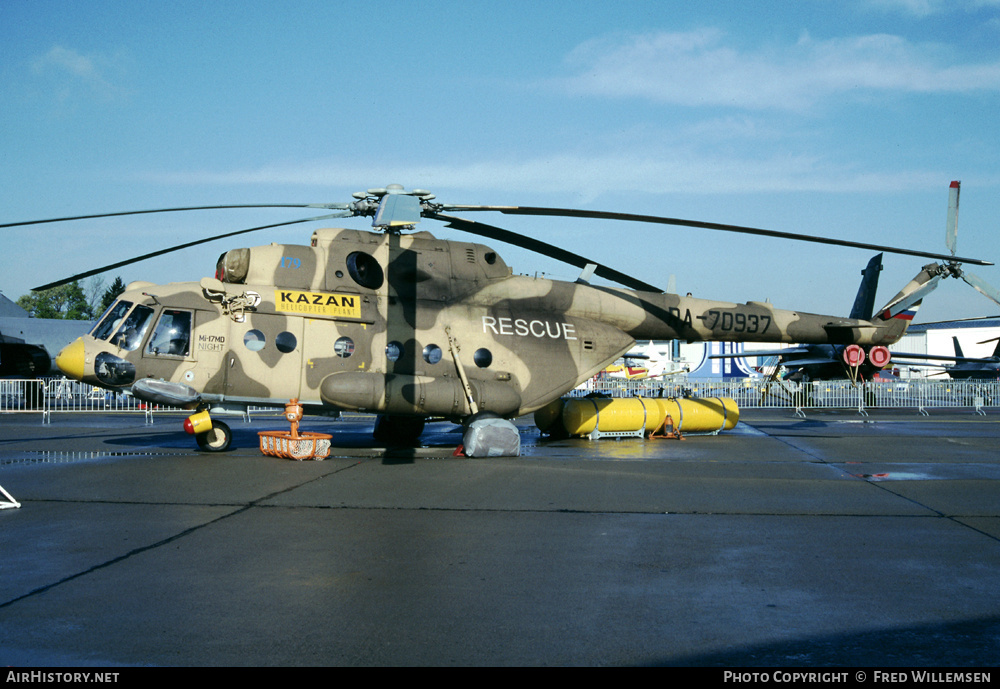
(411, 327)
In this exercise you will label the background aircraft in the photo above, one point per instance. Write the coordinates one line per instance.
(645, 361)
(965, 368)
(28, 346)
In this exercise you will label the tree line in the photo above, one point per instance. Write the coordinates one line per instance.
(71, 301)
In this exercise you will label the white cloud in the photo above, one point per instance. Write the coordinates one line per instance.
(918, 8)
(72, 70)
(706, 68)
(925, 8)
(581, 175)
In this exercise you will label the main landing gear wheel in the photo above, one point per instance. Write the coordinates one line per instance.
(217, 439)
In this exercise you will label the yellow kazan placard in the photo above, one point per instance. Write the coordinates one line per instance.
(318, 303)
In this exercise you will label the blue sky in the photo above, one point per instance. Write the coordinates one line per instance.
(847, 119)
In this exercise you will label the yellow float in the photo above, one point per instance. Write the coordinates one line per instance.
(637, 416)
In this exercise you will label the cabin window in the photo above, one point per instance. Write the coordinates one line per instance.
(130, 335)
(393, 351)
(432, 354)
(343, 347)
(172, 335)
(483, 358)
(285, 342)
(254, 340)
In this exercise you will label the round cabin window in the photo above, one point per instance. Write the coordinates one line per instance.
(285, 342)
(343, 347)
(432, 354)
(483, 358)
(254, 340)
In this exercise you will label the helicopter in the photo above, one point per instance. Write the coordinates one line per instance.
(410, 327)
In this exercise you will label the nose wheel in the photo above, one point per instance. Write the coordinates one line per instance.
(216, 439)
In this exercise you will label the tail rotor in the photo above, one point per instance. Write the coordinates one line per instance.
(951, 239)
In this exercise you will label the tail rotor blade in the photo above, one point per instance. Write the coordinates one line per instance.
(981, 286)
(951, 235)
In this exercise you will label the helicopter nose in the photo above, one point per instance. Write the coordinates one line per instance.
(70, 359)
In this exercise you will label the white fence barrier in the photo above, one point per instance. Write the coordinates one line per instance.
(46, 396)
(754, 393)
(55, 395)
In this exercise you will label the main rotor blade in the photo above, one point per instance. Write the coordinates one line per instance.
(330, 206)
(514, 239)
(153, 254)
(607, 215)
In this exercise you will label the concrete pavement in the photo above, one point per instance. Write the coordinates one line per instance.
(832, 540)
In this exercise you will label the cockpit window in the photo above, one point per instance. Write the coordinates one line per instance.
(172, 335)
(130, 335)
(111, 319)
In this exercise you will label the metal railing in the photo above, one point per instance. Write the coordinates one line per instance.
(56, 395)
(756, 393)
(47, 396)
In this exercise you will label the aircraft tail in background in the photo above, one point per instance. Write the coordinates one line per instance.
(864, 302)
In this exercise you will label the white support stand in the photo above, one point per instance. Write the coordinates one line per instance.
(4, 505)
(597, 434)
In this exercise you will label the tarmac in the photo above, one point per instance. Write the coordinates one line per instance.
(833, 540)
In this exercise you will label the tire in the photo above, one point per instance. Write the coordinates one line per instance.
(217, 439)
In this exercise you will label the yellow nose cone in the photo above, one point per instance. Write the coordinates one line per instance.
(70, 359)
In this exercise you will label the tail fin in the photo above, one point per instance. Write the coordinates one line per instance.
(864, 303)
(958, 347)
(895, 317)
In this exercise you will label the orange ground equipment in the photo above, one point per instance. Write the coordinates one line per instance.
(293, 444)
